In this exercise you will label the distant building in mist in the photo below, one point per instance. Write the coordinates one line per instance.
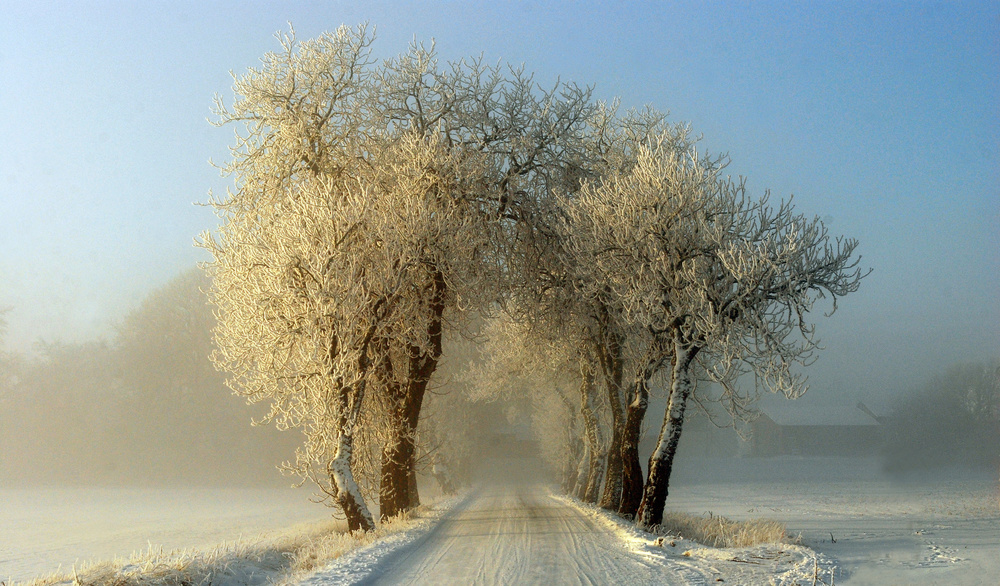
(849, 431)
(782, 429)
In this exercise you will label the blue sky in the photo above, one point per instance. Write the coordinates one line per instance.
(882, 118)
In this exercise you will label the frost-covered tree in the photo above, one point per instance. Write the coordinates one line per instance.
(581, 293)
(291, 331)
(371, 208)
(562, 294)
(713, 276)
(556, 344)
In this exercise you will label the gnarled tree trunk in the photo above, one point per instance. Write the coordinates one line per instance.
(631, 469)
(348, 495)
(632, 479)
(611, 360)
(575, 449)
(595, 475)
(398, 487)
(592, 429)
(397, 456)
(567, 476)
(612, 494)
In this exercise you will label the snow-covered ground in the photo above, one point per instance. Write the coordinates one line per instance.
(861, 529)
(42, 529)
(937, 529)
(521, 533)
(858, 529)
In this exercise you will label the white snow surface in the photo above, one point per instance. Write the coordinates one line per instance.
(940, 528)
(778, 564)
(44, 530)
(856, 528)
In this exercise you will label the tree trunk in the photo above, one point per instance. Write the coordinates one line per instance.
(595, 475)
(582, 471)
(442, 474)
(394, 490)
(632, 480)
(349, 399)
(574, 452)
(574, 447)
(611, 497)
(567, 476)
(395, 453)
(398, 489)
(348, 495)
(661, 462)
(631, 469)
(610, 357)
(592, 429)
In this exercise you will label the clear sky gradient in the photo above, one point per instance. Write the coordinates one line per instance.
(882, 118)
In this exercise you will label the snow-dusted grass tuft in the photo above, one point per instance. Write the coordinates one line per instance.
(276, 559)
(717, 531)
(761, 552)
(318, 552)
(711, 530)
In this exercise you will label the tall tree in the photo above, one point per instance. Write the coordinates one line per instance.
(622, 348)
(371, 202)
(718, 279)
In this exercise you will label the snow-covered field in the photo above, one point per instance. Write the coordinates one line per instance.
(940, 529)
(862, 529)
(42, 529)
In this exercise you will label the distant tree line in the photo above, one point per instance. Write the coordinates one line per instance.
(382, 208)
(144, 407)
(952, 421)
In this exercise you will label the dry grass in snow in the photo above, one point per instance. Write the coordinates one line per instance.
(269, 559)
(717, 531)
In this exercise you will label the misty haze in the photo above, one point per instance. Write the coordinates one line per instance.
(466, 304)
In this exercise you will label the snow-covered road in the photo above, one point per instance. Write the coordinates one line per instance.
(509, 534)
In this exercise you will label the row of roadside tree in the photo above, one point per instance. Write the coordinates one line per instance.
(380, 207)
